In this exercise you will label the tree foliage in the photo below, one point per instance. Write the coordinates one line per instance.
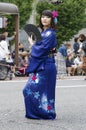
(72, 17)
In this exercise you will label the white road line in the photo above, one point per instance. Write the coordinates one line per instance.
(14, 81)
(25, 80)
(71, 86)
(71, 79)
(57, 86)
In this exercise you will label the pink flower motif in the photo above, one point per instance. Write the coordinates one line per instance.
(49, 107)
(34, 77)
(55, 14)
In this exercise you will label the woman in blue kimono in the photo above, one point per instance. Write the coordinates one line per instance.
(39, 92)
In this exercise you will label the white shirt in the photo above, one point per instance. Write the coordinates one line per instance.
(77, 61)
(3, 49)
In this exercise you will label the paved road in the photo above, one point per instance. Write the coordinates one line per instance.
(70, 107)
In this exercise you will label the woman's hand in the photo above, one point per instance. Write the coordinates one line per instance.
(30, 40)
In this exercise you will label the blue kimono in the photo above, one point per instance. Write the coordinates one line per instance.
(39, 91)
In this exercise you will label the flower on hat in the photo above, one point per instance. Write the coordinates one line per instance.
(55, 13)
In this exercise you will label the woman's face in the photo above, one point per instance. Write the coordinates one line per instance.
(46, 21)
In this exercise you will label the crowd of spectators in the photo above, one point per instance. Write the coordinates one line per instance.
(71, 60)
(8, 55)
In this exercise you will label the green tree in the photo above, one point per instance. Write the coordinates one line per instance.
(72, 17)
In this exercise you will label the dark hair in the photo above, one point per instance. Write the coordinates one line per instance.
(82, 36)
(2, 37)
(75, 39)
(49, 14)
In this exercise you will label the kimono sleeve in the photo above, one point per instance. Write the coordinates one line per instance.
(43, 48)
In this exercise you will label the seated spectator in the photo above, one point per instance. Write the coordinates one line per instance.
(10, 61)
(70, 66)
(21, 47)
(22, 52)
(84, 65)
(78, 63)
(5, 53)
(84, 56)
(23, 64)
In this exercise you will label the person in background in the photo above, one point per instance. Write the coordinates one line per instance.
(21, 47)
(23, 65)
(39, 92)
(76, 45)
(8, 39)
(61, 60)
(84, 56)
(4, 52)
(78, 61)
(81, 39)
(22, 51)
(70, 66)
